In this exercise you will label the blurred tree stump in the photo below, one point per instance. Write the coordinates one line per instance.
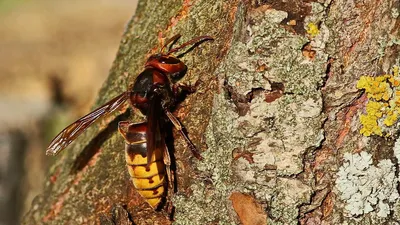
(276, 116)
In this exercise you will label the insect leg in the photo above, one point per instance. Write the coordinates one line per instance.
(180, 128)
(119, 216)
(180, 88)
(167, 162)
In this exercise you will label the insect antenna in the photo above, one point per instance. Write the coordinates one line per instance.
(171, 41)
(196, 41)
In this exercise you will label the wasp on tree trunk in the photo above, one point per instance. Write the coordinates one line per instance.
(155, 92)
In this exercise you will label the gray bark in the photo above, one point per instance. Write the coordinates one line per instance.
(276, 111)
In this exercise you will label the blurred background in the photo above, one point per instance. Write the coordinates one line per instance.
(54, 56)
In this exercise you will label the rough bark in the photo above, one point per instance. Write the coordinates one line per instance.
(276, 111)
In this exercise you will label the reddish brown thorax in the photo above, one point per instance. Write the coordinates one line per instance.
(167, 64)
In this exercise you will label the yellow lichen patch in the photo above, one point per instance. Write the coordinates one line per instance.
(374, 109)
(369, 120)
(391, 118)
(376, 87)
(312, 29)
(395, 71)
(383, 107)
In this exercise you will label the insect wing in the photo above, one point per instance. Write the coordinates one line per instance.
(70, 133)
(153, 129)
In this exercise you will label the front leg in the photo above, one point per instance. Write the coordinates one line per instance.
(180, 88)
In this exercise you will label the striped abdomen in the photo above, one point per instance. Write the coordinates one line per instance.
(150, 180)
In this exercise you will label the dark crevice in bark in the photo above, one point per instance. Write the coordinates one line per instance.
(297, 11)
(242, 102)
(119, 216)
(308, 52)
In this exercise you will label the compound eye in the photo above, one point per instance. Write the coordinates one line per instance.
(178, 75)
(169, 60)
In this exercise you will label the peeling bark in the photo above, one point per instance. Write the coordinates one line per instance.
(276, 115)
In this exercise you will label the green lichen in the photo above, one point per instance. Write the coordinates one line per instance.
(208, 202)
(276, 133)
(395, 12)
(212, 196)
(365, 187)
(383, 107)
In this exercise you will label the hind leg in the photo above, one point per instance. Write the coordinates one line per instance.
(171, 183)
(177, 124)
(167, 162)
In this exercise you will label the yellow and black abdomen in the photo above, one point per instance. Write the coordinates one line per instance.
(149, 179)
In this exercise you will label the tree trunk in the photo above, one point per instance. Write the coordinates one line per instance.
(276, 115)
